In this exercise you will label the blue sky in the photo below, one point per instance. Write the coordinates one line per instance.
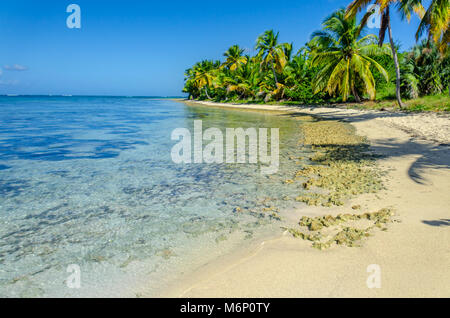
(142, 47)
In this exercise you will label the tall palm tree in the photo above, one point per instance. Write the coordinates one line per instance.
(234, 57)
(272, 53)
(345, 58)
(405, 7)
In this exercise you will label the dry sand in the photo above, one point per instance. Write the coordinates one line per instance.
(413, 255)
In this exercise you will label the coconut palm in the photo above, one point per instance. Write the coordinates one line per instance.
(298, 69)
(345, 58)
(190, 87)
(272, 53)
(234, 57)
(288, 47)
(205, 75)
(405, 7)
(436, 23)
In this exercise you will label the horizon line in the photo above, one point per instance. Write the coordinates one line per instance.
(69, 95)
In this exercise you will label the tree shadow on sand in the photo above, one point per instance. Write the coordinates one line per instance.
(358, 116)
(438, 223)
(429, 155)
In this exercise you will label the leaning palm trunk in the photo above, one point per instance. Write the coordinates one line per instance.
(387, 24)
(397, 70)
(206, 91)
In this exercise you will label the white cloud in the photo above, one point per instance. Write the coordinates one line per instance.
(9, 82)
(15, 67)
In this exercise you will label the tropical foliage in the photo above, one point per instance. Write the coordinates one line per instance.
(435, 21)
(345, 58)
(273, 73)
(340, 62)
(425, 71)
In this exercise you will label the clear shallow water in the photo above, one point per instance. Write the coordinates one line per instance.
(90, 181)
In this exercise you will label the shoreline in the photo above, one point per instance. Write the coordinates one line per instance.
(413, 255)
(434, 127)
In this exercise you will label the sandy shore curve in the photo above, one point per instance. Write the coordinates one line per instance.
(413, 255)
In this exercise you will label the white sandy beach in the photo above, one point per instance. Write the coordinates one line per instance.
(414, 254)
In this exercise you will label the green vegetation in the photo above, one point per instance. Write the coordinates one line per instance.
(405, 8)
(340, 63)
(425, 71)
(434, 103)
(345, 60)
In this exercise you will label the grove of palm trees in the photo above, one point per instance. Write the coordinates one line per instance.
(341, 63)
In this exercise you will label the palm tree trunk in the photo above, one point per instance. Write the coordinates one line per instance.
(274, 73)
(355, 94)
(397, 65)
(206, 91)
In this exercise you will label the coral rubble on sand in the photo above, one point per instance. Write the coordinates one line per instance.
(341, 166)
(324, 231)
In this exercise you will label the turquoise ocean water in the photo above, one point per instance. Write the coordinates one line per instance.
(90, 181)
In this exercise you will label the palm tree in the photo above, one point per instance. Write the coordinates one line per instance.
(272, 53)
(288, 47)
(234, 57)
(190, 87)
(205, 74)
(244, 81)
(344, 58)
(405, 7)
(435, 22)
(297, 70)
